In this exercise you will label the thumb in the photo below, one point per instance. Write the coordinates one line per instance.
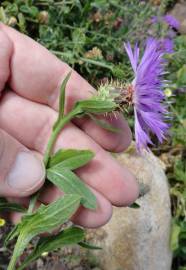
(21, 171)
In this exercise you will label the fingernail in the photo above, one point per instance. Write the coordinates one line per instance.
(27, 172)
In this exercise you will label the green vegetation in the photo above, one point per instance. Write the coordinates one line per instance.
(89, 36)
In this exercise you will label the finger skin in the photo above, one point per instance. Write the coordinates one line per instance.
(37, 76)
(103, 173)
(15, 162)
(111, 141)
(6, 51)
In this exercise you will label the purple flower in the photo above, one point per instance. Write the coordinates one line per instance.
(171, 21)
(168, 19)
(147, 92)
(167, 45)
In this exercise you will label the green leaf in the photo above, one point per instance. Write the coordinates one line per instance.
(174, 242)
(181, 76)
(70, 183)
(79, 39)
(104, 124)
(8, 206)
(32, 11)
(62, 95)
(13, 233)
(89, 246)
(45, 219)
(70, 158)
(180, 170)
(96, 106)
(67, 237)
(62, 99)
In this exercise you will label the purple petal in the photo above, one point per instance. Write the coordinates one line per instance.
(172, 21)
(168, 45)
(133, 57)
(148, 94)
(141, 136)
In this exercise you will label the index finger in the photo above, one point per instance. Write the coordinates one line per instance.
(36, 74)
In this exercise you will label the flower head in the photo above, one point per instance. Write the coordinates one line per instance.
(171, 21)
(147, 92)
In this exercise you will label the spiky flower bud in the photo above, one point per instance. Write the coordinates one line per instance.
(116, 92)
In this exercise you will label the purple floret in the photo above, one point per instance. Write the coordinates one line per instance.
(168, 19)
(172, 21)
(154, 19)
(148, 92)
(167, 45)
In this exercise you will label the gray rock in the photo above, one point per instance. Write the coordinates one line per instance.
(138, 239)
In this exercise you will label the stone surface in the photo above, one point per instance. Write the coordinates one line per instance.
(138, 239)
(179, 12)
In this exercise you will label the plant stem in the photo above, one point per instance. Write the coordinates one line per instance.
(32, 203)
(12, 263)
(96, 63)
(86, 60)
(66, 119)
(60, 124)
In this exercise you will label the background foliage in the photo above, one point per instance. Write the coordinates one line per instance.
(89, 35)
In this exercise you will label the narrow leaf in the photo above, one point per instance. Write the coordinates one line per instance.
(104, 124)
(96, 106)
(45, 219)
(62, 99)
(70, 158)
(8, 206)
(13, 233)
(62, 95)
(70, 183)
(174, 242)
(67, 237)
(89, 246)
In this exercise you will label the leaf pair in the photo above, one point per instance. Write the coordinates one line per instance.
(45, 219)
(69, 236)
(61, 175)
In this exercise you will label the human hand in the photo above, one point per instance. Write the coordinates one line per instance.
(30, 79)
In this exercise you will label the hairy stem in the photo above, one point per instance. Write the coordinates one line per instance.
(65, 120)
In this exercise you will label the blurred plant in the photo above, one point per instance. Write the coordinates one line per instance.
(177, 175)
(71, 29)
